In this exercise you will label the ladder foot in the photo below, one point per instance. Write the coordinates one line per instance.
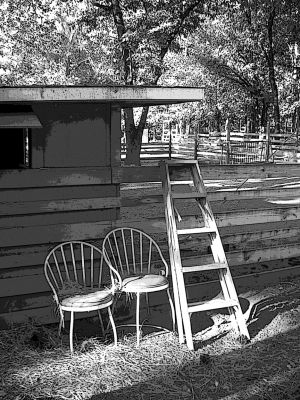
(243, 339)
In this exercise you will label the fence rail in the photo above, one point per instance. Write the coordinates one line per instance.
(218, 151)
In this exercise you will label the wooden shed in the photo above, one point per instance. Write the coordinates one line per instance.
(59, 159)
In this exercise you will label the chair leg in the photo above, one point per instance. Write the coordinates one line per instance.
(101, 322)
(71, 331)
(172, 308)
(113, 325)
(148, 303)
(61, 321)
(137, 319)
(118, 295)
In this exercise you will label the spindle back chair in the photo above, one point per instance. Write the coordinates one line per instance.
(140, 263)
(81, 281)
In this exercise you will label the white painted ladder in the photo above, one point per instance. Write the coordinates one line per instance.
(230, 298)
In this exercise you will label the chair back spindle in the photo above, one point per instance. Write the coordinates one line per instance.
(133, 252)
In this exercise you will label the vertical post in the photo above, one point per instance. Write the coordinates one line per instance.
(297, 126)
(268, 137)
(196, 146)
(227, 128)
(170, 145)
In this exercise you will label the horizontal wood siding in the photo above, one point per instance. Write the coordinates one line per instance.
(38, 209)
(257, 209)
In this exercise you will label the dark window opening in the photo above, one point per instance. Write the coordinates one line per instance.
(15, 148)
(15, 145)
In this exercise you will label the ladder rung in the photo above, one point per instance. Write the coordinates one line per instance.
(190, 231)
(174, 163)
(186, 183)
(190, 195)
(211, 305)
(205, 267)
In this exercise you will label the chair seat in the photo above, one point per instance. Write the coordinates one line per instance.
(87, 299)
(145, 283)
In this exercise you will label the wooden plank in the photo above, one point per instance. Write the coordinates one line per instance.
(243, 194)
(23, 285)
(55, 206)
(25, 302)
(244, 282)
(45, 177)
(59, 193)
(256, 171)
(53, 233)
(52, 219)
(244, 217)
(270, 194)
(43, 315)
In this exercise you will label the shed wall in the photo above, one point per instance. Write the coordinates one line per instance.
(67, 195)
(73, 135)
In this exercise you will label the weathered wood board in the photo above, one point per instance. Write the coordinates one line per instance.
(256, 207)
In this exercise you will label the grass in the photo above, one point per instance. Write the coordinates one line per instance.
(36, 365)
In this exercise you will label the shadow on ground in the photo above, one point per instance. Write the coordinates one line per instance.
(256, 372)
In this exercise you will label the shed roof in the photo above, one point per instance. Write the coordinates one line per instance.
(124, 96)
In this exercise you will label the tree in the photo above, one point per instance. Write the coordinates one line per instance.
(146, 32)
(54, 42)
(248, 48)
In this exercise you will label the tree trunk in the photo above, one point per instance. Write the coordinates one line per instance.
(264, 118)
(134, 135)
(218, 119)
(130, 68)
(272, 78)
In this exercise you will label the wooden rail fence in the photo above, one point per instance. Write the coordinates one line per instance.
(217, 150)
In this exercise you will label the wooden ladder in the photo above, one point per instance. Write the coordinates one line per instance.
(230, 298)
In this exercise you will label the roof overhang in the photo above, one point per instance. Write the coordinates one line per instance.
(19, 120)
(124, 96)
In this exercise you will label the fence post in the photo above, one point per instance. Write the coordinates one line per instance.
(268, 137)
(170, 147)
(227, 128)
(196, 146)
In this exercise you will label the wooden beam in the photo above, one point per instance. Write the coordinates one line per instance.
(124, 95)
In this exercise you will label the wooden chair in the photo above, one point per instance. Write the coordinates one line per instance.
(81, 281)
(140, 263)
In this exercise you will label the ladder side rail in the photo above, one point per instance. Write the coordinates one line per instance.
(177, 264)
(230, 300)
(168, 204)
(225, 277)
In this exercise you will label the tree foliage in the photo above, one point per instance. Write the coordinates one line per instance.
(250, 49)
(245, 53)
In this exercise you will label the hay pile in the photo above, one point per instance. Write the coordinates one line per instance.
(36, 365)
